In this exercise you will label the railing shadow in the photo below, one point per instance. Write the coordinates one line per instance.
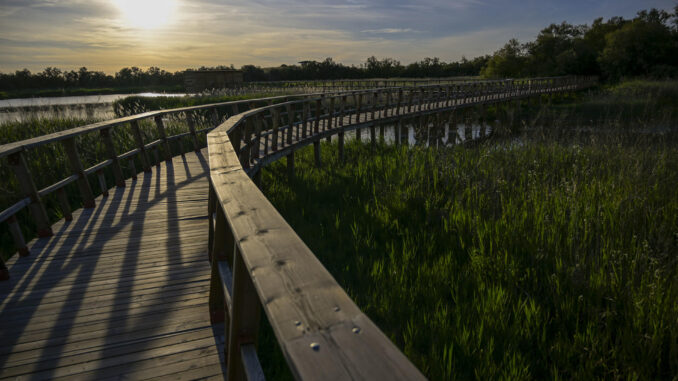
(117, 220)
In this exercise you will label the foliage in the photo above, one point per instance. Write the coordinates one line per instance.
(551, 256)
(54, 78)
(506, 62)
(644, 46)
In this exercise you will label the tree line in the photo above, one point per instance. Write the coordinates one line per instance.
(646, 45)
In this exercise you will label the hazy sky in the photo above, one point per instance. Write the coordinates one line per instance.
(174, 34)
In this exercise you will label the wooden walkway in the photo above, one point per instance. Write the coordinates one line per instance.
(121, 291)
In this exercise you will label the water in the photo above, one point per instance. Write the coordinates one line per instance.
(79, 106)
(419, 136)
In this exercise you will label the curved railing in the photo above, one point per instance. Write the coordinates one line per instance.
(258, 260)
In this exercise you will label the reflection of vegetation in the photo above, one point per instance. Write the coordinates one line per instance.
(25, 93)
(547, 256)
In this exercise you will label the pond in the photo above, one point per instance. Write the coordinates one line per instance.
(79, 106)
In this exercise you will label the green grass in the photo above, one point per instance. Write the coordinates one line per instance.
(552, 255)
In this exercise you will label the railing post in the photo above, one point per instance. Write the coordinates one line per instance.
(191, 128)
(256, 144)
(290, 121)
(76, 167)
(4, 272)
(132, 168)
(388, 103)
(358, 100)
(136, 131)
(374, 105)
(17, 236)
(23, 175)
(244, 153)
(102, 183)
(245, 317)
(110, 149)
(400, 101)
(304, 123)
(215, 117)
(318, 115)
(65, 205)
(330, 115)
(275, 119)
(163, 137)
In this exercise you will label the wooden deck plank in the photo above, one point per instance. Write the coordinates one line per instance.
(121, 290)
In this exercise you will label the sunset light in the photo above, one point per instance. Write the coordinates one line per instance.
(146, 14)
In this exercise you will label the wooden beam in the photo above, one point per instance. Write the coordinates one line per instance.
(136, 131)
(23, 175)
(110, 150)
(76, 168)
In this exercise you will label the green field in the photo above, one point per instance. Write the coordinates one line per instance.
(548, 254)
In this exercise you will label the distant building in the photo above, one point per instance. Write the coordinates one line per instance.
(199, 80)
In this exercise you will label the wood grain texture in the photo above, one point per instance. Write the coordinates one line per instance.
(121, 291)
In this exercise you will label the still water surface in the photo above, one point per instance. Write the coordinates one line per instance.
(79, 106)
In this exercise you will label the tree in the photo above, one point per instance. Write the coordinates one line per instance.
(645, 46)
(509, 61)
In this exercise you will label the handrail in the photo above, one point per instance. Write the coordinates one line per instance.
(257, 259)
(259, 262)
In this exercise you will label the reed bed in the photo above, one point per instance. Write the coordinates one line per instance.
(548, 254)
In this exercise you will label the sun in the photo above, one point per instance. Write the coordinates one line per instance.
(146, 14)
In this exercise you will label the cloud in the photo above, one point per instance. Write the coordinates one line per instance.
(74, 33)
(389, 30)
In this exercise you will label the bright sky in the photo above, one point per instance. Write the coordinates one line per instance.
(174, 34)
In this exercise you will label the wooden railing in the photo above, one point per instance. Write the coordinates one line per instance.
(259, 261)
(358, 84)
(145, 153)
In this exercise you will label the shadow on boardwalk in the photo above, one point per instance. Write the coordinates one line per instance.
(120, 291)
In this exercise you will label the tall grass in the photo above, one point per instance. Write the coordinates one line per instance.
(550, 255)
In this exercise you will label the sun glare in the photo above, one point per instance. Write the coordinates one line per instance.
(146, 14)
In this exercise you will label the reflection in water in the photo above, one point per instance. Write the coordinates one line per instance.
(80, 107)
(445, 136)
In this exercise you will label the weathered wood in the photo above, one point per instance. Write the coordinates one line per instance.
(275, 118)
(320, 330)
(191, 128)
(290, 123)
(23, 175)
(113, 156)
(250, 363)
(244, 325)
(132, 168)
(17, 236)
(102, 183)
(82, 308)
(163, 137)
(136, 131)
(76, 168)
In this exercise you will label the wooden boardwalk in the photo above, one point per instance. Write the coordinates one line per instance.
(121, 291)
